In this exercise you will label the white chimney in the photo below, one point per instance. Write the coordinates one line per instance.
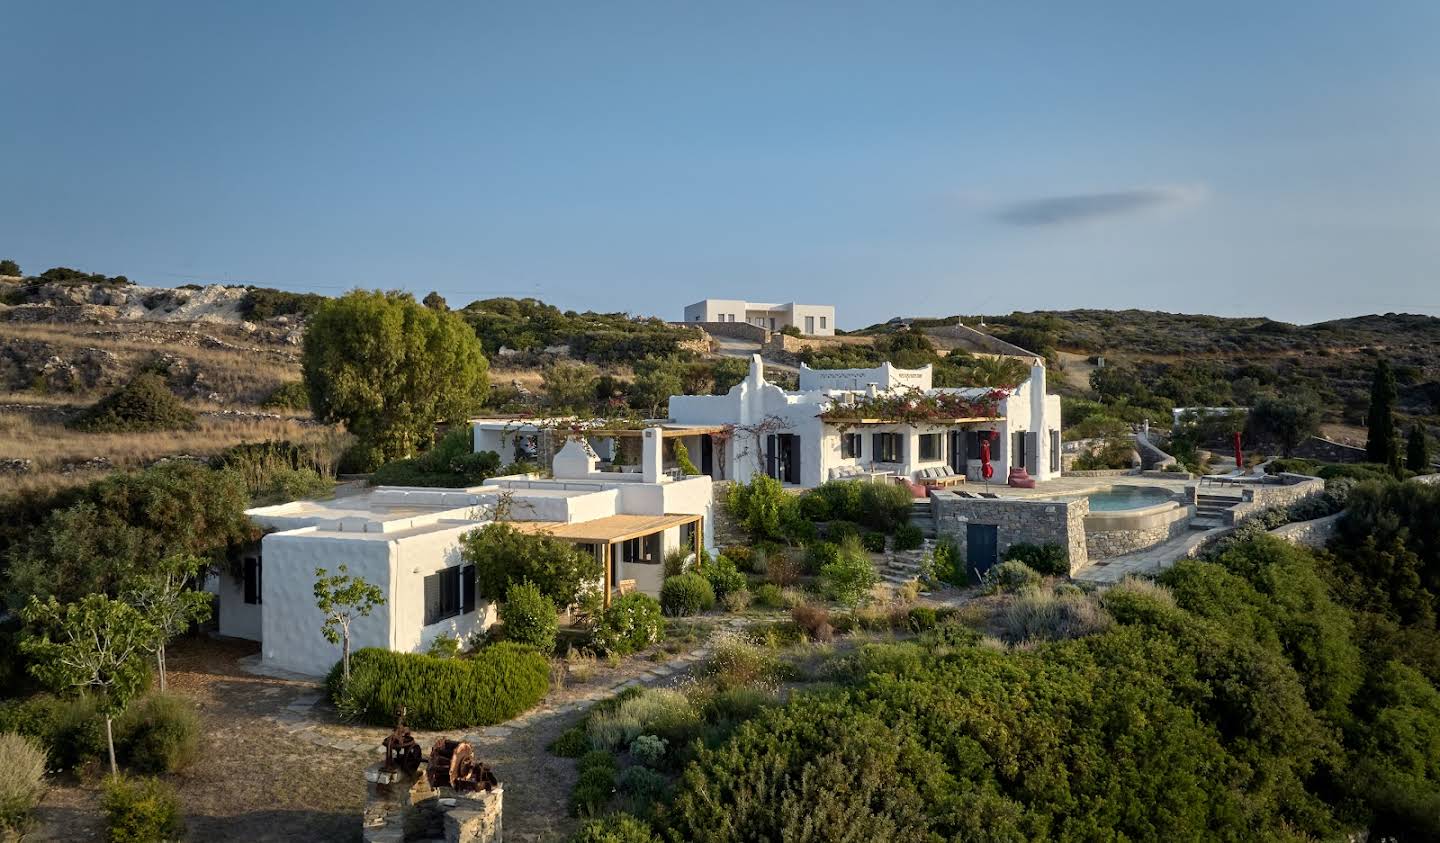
(652, 460)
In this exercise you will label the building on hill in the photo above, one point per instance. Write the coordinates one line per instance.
(814, 320)
(878, 422)
(407, 542)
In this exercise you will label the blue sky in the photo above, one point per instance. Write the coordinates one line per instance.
(892, 158)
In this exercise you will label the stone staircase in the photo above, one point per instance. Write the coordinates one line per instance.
(1210, 509)
(900, 567)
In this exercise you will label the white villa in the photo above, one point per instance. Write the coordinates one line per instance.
(406, 541)
(837, 425)
(813, 320)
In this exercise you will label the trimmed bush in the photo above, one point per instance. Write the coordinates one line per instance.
(631, 623)
(662, 712)
(923, 618)
(1047, 559)
(529, 617)
(141, 811)
(686, 594)
(815, 507)
(22, 780)
(648, 750)
(1010, 576)
(492, 686)
(143, 404)
(1042, 616)
(642, 787)
(619, 827)
(158, 734)
(769, 596)
(873, 542)
(908, 537)
(883, 506)
(820, 554)
(572, 743)
(290, 395)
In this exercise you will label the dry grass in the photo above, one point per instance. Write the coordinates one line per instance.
(51, 445)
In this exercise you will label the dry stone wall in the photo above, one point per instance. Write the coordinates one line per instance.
(1016, 521)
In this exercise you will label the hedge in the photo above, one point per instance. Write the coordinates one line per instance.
(496, 684)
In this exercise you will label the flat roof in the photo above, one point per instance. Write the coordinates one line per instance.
(611, 528)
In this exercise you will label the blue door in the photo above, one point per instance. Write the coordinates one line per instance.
(982, 547)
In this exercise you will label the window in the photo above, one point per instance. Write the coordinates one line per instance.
(687, 536)
(449, 593)
(809, 324)
(931, 446)
(888, 447)
(1055, 450)
(252, 580)
(822, 323)
(850, 446)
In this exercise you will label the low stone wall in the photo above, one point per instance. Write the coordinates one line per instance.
(1262, 496)
(1104, 472)
(1319, 448)
(1110, 534)
(1016, 521)
(1151, 456)
(403, 806)
(1313, 533)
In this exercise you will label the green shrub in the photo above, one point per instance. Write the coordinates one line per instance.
(158, 734)
(615, 828)
(1047, 559)
(686, 594)
(836, 531)
(682, 460)
(71, 731)
(572, 743)
(851, 576)
(290, 395)
(737, 601)
(737, 661)
(873, 542)
(1291, 465)
(841, 497)
(494, 685)
(504, 556)
(22, 780)
(883, 506)
(1046, 616)
(923, 618)
(529, 617)
(1355, 471)
(631, 623)
(908, 537)
(642, 787)
(744, 557)
(820, 554)
(769, 596)
(143, 404)
(444, 646)
(1010, 576)
(140, 811)
(648, 750)
(451, 462)
(815, 507)
(761, 506)
(724, 577)
(663, 712)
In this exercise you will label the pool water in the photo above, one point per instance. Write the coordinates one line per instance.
(1126, 497)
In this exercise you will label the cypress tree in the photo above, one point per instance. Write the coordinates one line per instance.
(1380, 443)
(1417, 450)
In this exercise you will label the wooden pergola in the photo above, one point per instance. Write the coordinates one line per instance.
(612, 530)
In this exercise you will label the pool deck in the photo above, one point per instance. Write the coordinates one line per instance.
(1069, 487)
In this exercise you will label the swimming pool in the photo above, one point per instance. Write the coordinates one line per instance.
(1120, 498)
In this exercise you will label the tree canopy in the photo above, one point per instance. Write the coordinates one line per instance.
(390, 369)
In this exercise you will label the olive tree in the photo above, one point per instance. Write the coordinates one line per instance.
(96, 644)
(342, 598)
(168, 597)
(390, 368)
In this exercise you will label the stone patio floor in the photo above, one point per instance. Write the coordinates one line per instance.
(1149, 561)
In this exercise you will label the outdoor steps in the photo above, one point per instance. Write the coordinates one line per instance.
(923, 517)
(903, 566)
(1210, 511)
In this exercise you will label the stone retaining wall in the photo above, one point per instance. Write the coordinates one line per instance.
(1314, 533)
(1104, 472)
(1262, 496)
(1110, 534)
(734, 330)
(1017, 521)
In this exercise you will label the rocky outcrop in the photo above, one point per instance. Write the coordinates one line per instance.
(35, 364)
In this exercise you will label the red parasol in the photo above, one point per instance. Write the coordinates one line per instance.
(986, 469)
(1239, 456)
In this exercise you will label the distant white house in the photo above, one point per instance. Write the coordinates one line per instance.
(815, 320)
(829, 427)
(406, 541)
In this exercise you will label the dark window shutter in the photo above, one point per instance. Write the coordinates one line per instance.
(467, 589)
(252, 580)
(432, 599)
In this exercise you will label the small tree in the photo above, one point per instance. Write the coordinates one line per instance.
(343, 598)
(1380, 439)
(1417, 450)
(9, 267)
(95, 644)
(569, 385)
(168, 598)
(505, 557)
(435, 301)
(1285, 421)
